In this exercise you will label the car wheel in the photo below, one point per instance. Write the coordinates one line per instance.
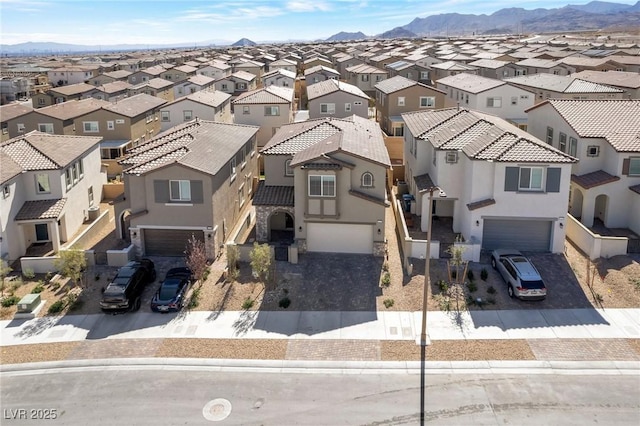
(510, 291)
(136, 304)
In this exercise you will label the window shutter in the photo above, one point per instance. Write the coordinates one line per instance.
(511, 178)
(553, 179)
(196, 192)
(161, 191)
(625, 166)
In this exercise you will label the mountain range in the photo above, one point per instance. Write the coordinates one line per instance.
(571, 18)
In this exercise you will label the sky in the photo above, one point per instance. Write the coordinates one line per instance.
(109, 22)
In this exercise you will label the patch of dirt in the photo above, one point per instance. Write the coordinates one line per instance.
(18, 354)
(461, 350)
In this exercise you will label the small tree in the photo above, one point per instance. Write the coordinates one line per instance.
(457, 266)
(260, 261)
(233, 257)
(5, 270)
(72, 264)
(196, 258)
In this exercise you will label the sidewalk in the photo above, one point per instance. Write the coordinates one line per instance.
(382, 326)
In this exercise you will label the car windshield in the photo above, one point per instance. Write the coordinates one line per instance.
(126, 272)
(533, 284)
(168, 291)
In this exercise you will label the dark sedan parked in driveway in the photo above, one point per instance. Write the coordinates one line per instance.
(172, 293)
(124, 292)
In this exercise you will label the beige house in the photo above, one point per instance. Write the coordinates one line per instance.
(157, 87)
(365, 77)
(205, 105)
(193, 180)
(334, 98)
(49, 183)
(269, 108)
(325, 187)
(61, 94)
(8, 115)
(549, 86)
(237, 83)
(110, 77)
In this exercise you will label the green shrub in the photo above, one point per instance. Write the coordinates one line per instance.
(443, 286)
(247, 304)
(388, 303)
(470, 275)
(195, 296)
(28, 273)
(55, 286)
(472, 286)
(10, 301)
(386, 279)
(491, 290)
(284, 302)
(56, 307)
(484, 274)
(97, 276)
(38, 289)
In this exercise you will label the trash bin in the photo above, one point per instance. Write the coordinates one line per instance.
(94, 212)
(406, 201)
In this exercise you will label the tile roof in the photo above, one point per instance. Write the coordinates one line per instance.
(320, 68)
(199, 144)
(560, 83)
(326, 87)
(394, 84)
(593, 119)
(583, 86)
(279, 71)
(114, 86)
(593, 179)
(135, 105)
(453, 66)
(480, 204)
(43, 151)
(365, 69)
(242, 75)
(205, 97)
(489, 63)
(471, 83)
(10, 111)
(481, 136)
(41, 209)
(423, 182)
(9, 169)
(200, 79)
(611, 78)
(73, 89)
(311, 139)
(266, 95)
(273, 195)
(72, 109)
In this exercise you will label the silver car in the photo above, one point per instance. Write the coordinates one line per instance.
(522, 278)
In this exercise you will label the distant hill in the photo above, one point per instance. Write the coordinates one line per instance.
(512, 20)
(343, 36)
(244, 42)
(397, 32)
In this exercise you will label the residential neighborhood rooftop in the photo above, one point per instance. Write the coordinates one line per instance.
(326, 87)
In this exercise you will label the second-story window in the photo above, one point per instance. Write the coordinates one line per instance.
(288, 170)
(165, 115)
(42, 183)
(90, 126)
(531, 178)
(188, 115)
(272, 110)
(180, 190)
(45, 127)
(550, 135)
(367, 179)
(322, 186)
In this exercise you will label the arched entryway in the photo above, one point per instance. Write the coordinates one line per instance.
(124, 224)
(600, 208)
(575, 203)
(281, 227)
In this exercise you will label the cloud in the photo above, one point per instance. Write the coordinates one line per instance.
(307, 6)
(243, 12)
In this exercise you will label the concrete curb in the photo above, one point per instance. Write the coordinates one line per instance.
(330, 367)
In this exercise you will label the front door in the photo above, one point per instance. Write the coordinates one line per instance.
(42, 232)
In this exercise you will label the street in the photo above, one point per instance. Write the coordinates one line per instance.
(197, 395)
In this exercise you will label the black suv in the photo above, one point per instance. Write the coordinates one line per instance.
(124, 292)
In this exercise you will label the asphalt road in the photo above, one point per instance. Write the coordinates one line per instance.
(195, 396)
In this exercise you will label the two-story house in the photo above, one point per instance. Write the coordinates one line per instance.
(325, 187)
(550, 86)
(205, 105)
(488, 95)
(192, 85)
(605, 136)
(237, 83)
(109, 77)
(279, 77)
(48, 182)
(192, 180)
(157, 87)
(365, 77)
(502, 187)
(399, 94)
(8, 115)
(269, 108)
(215, 69)
(111, 91)
(334, 98)
(61, 94)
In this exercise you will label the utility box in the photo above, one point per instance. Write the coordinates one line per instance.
(28, 303)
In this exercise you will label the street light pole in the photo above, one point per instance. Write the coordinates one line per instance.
(423, 334)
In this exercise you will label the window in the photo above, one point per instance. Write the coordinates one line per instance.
(322, 186)
(364, 77)
(427, 101)
(550, 135)
(327, 108)
(288, 170)
(424, 75)
(573, 146)
(357, 103)
(347, 107)
(452, 157)
(531, 178)
(74, 173)
(90, 195)
(233, 167)
(42, 183)
(188, 114)
(5, 128)
(80, 168)
(241, 86)
(400, 100)
(246, 110)
(224, 86)
(165, 116)
(20, 127)
(367, 179)
(272, 110)
(634, 166)
(67, 178)
(45, 127)
(41, 101)
(494, 102)
(6, 191)
(90, 126)
(398, 130)
(514, 100)
(149, 117)
(110, 125)
(179, 190)
(562, 142)
(593, 151)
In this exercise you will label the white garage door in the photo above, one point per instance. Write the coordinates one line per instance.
(525, 235)
(336, 238)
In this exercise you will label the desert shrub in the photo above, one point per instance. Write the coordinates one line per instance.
(10, 301)
(38, 289)
(386, 279)
(443, 286)
(28, 273)
(284, 302)
(484, 274)
(388, 303)
(247, 304)
(491, 290)
(472, 286)
(56, 307)
(470, 275)
(385, 266)
(195, 298)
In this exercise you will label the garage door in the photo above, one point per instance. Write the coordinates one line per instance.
(525, 235)
(168, 242)
(337, 238)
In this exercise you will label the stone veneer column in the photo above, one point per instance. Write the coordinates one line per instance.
(136, 240)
